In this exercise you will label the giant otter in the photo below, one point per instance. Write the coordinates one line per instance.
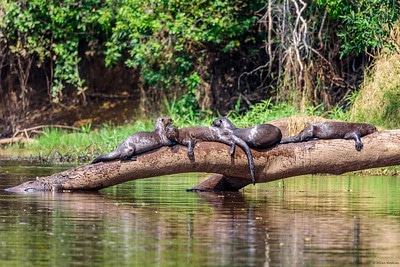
(189, 136)
(140, 142)
(333, 130)
(260, 136)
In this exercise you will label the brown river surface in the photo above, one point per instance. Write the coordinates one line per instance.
(303, 221)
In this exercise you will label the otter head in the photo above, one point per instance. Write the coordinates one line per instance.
(172, 133)
(223, 122)
(368, 129)
(162, 123)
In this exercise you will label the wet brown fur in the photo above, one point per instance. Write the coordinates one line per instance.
(333, 130)
(140, 142)
(191, 135)
(261, 136)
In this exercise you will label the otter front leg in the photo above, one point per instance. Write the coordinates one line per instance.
(128, 153)
(358, 144)
(190, 146)
(233, 148)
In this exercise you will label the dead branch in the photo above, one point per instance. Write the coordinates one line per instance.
(33, 129)
(12, 140)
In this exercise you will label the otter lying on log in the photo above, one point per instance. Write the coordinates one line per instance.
(333, 130)
(260, 136)
(189, 136)
(140, 142)
(332, 156)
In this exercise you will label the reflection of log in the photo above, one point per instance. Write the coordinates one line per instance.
(323, 156)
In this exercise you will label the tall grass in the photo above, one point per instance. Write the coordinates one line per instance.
(262, 112)
(62, 145)
(379, 99)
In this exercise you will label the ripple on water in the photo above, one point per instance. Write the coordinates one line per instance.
(310, 220)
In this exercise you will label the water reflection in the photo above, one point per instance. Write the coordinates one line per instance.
(309, 221)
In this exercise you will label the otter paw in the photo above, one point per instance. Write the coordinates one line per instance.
(359, 146)
(191, 156)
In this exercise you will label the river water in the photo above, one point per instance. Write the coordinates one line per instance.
(302, 221)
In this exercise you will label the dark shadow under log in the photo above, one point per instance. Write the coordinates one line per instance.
(288, 160)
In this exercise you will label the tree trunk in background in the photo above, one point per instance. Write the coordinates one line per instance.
(313, 157)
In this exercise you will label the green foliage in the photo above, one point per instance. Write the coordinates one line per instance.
(315, 110)
(163, 39)
(166, 40)
(263, 112)
(267, 111)
(363, 25)
(86, 128)
(51, 30)
(186, 106)
(338, 114)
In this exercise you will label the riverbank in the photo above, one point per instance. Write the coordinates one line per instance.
(79, 147)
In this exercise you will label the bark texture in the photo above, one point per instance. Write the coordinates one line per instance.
(285, 160)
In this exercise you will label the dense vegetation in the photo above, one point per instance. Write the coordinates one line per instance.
(211, 55)
(55, 144)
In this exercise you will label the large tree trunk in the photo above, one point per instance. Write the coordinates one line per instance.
(285, 160)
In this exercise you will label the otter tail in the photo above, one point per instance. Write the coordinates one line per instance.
(243, 145)
(106, 157)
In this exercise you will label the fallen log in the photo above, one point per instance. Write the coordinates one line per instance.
(285, 160)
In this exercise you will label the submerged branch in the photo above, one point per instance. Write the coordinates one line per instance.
(288, 160)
